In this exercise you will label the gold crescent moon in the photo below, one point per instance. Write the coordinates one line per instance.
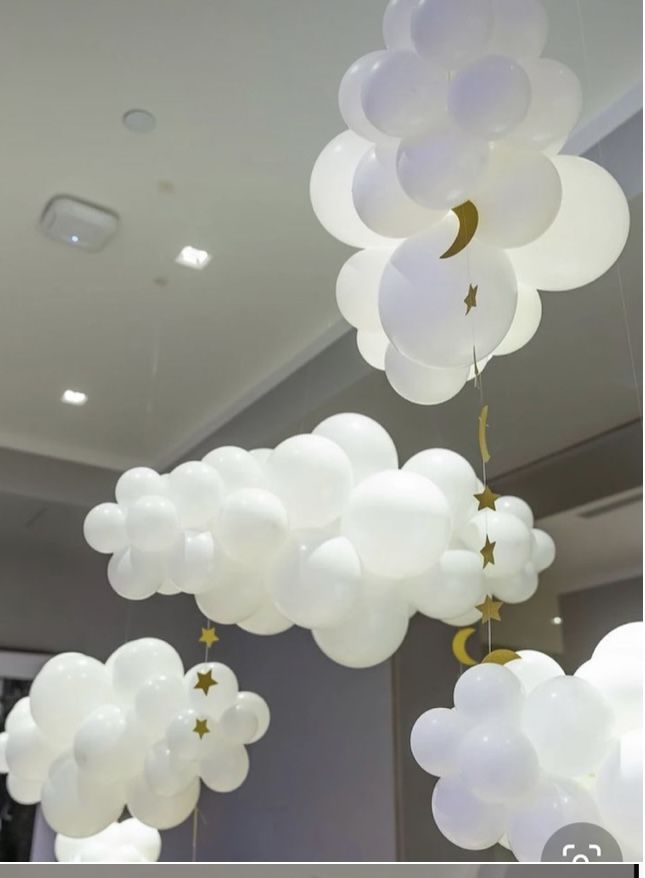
(501, 656)
(483, 424)
(459, 646)
(468, 218)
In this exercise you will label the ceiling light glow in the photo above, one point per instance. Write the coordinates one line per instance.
(74, 397)
(556, 620)
(191, 257)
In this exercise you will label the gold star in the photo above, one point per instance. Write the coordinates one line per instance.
(488, 552)
(201, 728)
(208, 636)
(490, 610)
(486, 499)
(471, 299)
(205, 681)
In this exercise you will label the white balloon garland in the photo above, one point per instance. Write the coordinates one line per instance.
(460, 108)
(527, 750)
(129, 841)
(135, 732)
(324, 532)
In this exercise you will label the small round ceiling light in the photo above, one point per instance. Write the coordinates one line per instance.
(139, 121)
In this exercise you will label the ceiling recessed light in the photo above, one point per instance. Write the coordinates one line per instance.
(74, 397)
(556, 620)
(191, 257)
(139, 121)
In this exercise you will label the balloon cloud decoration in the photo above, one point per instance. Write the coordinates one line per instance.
(527, 750)
(127, 842)
(449, 181)
(325, 532)
(135, 732)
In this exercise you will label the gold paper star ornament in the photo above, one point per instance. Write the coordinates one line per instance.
(201, 728)
(205, 681)
(490, 610)
(486, 499)
(209, 637)
(471, 299)
(488, 552)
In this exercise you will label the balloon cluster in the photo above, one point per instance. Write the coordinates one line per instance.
(527, 750)
(326, 532)
(448, 179)
(127, 842)
(93, 738)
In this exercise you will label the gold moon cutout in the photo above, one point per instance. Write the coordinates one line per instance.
(501, 656)
(468, 218)
(459, 646)
(483, 425)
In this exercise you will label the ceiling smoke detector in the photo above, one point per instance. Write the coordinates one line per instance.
(78, 223)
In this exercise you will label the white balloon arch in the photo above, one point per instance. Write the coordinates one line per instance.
(527, 750)
(325, 532)
(449, 176)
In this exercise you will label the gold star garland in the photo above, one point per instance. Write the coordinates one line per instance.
(201, 728)
(471, 299)
(208, 636)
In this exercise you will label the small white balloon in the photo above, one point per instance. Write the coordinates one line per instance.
(515, 588)
(158, 700)
(450, 588)
(102, 746)
(253, 525)
(267, 619)
(526, 322)
(396, 24)
(183, 742)
(19, 717)
(556, 104)
(161, 812)
(239, 724)
(451, 34)
(490, 97)
(350, 98)
(511, 537)
(152, 523)
(435, 740)
(24, 791)
(29, 753)
(542, 549)
(366, 443)
(464, 819)
(253, 702)
(195, 562)
(372, 347)
(76, 805)
(219, 697)
(452, 474)
(488, 691)
(313, 478)
(533, 668)
(225, 767)
(465, 619)
(237, 593)
(134, 663)
(104, 528)
(357, 288)
(130, 581)
(236, 467)
(498, 763)
(517, 507)
(165, 774)
(137, 483)
(4, 737)
(423, 385)
(196, 490)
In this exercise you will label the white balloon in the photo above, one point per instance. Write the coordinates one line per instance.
(253, 702)
(401, 95)
(421, 300)
(236, 594)
(542, 549)
(380, 200)
(555, 803)
(196, 562)
(452, 587)
(137, 483)
(129, 580)
(369, 635)
(29, 753)
(465, 619)
(152, 523)
(372, 347)
(253, 525)
(158, 700)
(267, 619)
(225, 767)
(357, 288)
(24, 791)
(435, 740)
(533, 668)
(518, 198)
(144, 838)
(490, 97)
(319, 588)
(66, 690)
(488, 691)
(527, 319)
(166, 774)
(196, 490)
(619, 789)
(261, 454)
(183, 741)
(515, 588)
(4, 737)
(19, 717)
(366, 443)
(520, 28)
(619, 679)
(451, 34)
(577, 742)
(350, 102)
(161, 812)
(556, 104)
(452, 474)
(236, 467)
(396, 24)
(313, 478)
(76, 805)
(423, 385)
(511, 537)
(443, 167)
(134, 663)
(330, 190)
(102, 746)
(498, 763)
(517, 507)
(622, 642)
(219, 697)
(586, 237)
(104, 528)
(239, 724)
(463, 818)
(398, 522)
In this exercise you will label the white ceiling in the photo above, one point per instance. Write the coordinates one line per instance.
(244, 96)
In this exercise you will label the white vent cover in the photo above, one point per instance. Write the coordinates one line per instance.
(77, 223)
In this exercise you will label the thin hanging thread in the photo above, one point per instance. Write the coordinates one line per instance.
(619, 274)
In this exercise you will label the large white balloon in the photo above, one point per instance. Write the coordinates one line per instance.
(236, 467)
(330, 190)
(398, 522)
(490, 97)
(498, 763)
(463, 818)
(131, 580)
(435, 740)
(152, 523)
(423, 385)
(267, 619)
(556, 103)
(76, 805)
(134, 663)
(421, 299)
(619, 679)
(368, 446)
(488, 691)
(619, 789)
(102, 745)
(450, 588)
(141, 481)
(451, 34)
(586, 237)
(253, 525)
(313, 477)
(533, 668)
(528, 315)
(357, 288)
(234, 596)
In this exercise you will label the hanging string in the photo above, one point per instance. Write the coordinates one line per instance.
(195, 823)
